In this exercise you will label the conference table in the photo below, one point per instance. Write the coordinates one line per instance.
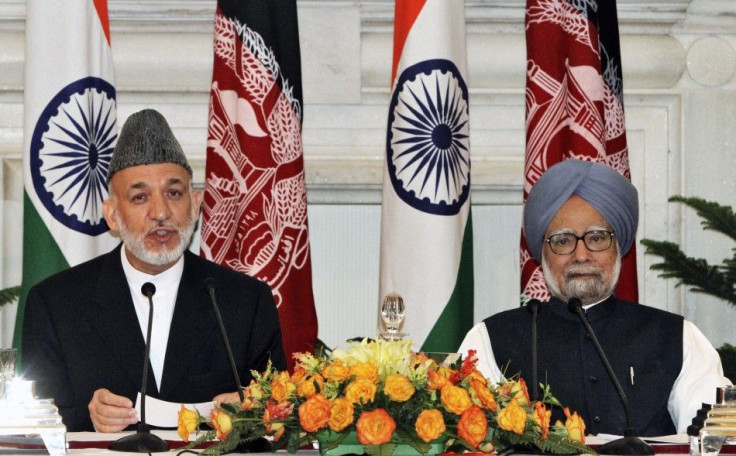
(91, 443)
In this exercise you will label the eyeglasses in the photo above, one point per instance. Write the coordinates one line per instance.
(566, 243)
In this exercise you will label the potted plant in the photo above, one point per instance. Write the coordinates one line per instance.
(716, 280)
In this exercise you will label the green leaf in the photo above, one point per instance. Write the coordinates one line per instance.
(9, 295)
(387, 449)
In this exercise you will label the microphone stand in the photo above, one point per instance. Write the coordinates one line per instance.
(210, 285)
(533, 306)
(143, 441)
(629, 443)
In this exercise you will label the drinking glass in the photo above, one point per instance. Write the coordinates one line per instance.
(392, 314)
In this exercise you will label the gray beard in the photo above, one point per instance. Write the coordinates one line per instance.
(136, 245)
(588, 290)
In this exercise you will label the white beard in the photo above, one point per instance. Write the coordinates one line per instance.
(136, 244)
(588, 290)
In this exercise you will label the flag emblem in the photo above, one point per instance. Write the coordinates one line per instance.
(70, 152)
(427, 141)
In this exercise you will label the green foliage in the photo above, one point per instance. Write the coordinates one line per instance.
(715, 280)
(9, 295)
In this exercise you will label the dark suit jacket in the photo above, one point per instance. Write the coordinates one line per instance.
(81, 333)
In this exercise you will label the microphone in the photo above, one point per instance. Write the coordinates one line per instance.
(143, 441)
(260, 444)
(533, 306)
(210, 285)
(629, 443)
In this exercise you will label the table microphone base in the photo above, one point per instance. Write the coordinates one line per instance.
(140, 442)
(626, 445)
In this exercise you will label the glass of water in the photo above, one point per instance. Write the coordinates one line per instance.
(392, 314)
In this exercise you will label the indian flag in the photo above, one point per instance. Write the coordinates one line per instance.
(69, 135)
(426, 228)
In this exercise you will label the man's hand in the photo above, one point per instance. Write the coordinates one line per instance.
(110, 412)
(227, 398)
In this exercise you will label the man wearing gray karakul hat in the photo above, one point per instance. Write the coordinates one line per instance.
(579, 219)
(84, 328)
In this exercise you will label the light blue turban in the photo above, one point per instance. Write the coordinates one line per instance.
(611, 194)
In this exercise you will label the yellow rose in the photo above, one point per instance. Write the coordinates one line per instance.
(341, 414)
(367, 371)
(398, 387)
(515, 389)
(455, 399)
(282, 387)
(314, 413)
(429, 425)
(473, 426)
(361, 391)
(222, 423)
(512, 418)
(542, 417)
(481, 395)
(375, 427)
(336, 371)
(188, 421)
(575, 426)
(252, 396)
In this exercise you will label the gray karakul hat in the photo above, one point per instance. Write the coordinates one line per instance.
(146, 139)
(601, 186)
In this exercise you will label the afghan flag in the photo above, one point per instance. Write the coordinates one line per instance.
(255, 202)
(69, 136)
(426, 228)
(574, 106)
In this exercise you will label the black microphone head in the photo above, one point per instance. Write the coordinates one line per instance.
(209, 284)
(574, 304)
(148, 289)
(533, 304)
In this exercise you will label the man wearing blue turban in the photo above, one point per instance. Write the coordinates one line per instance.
(579, 220)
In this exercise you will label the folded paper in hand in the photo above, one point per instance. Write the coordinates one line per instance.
(165, 414)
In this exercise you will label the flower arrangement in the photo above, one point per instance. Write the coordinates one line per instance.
(385, 394)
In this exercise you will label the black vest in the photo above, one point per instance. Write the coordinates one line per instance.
(633, 336)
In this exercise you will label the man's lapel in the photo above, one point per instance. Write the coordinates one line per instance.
(117, 322)
(191, 325)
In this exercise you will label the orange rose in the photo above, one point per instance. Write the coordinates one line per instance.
(314, 413)
(367, 371)
(481, 395)
(512, 418)
(452, 375)
(575, 426)
(341, 414)
(473, 426)
(429, 425)
(436, 380)
(310, 385)
(542, 417)
(398, 387)
(188, 421)
(455, 399)
(361, 391)
(375, 427)
(276, 412)
(336, 372)
(222, 423)
(282, 387)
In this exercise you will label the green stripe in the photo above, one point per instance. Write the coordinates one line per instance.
(457, 318)
(41, 258)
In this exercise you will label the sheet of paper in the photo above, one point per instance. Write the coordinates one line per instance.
(166, 414)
